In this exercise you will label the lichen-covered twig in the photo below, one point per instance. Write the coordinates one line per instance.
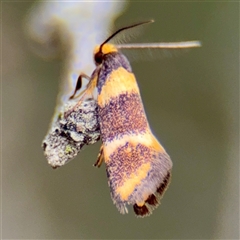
(70, 132)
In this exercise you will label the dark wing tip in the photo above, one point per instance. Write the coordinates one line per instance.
(141, 211)
(152, 201)
(164, 185)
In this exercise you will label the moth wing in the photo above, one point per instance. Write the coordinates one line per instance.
(138, 175)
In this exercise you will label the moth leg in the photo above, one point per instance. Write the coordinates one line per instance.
(79, 83)
(86, 93)
(99, 158)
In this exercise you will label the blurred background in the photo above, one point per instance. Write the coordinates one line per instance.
(192, 103)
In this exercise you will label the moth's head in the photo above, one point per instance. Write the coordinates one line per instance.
(102, 50)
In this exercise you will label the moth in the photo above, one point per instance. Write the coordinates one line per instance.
(138, 168)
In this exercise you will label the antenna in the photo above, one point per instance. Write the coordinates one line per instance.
(163, 45)
(122, 29)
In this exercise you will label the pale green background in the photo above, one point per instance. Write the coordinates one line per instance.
(191, 100)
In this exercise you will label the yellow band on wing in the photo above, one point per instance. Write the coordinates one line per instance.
(120, 81)
(133, 181)
(146, 139)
